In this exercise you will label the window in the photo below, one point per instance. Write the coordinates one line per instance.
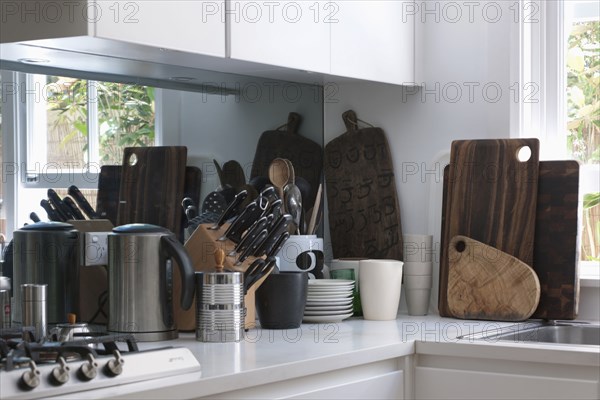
(64, 130)
(560, 57)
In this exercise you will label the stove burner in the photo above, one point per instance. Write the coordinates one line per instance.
(16, 353)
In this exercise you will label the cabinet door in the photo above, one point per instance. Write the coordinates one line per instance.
(292, 34)
(374, 40)
(186, 25)
(438, 383)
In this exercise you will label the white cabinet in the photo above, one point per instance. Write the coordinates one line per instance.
(482, 371)
(291, 34)
(374, 40)
(184, 25)
(377, 380)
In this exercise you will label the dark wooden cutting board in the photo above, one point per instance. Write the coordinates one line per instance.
(109, 184)
(364, 215)
(152, 186)
(491, 198)
(107, 197)
(305, 155)
(556, 248)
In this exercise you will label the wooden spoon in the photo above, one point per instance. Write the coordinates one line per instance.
(292, 172)
(279, 174)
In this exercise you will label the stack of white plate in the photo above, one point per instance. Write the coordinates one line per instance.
(328, 300)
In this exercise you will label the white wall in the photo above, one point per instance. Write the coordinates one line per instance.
(421, 124)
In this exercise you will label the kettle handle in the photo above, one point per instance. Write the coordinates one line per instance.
(176, 250)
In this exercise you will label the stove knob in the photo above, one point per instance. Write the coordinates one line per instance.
(60, 375)
(30, 379)
(114, 366)
(89, 369)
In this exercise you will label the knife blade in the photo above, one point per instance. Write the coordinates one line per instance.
(258, 240)
(82, 202)
(59, 205)
(278, 229)
(253, 231)
(52, 214)
(231, 210)
(73, 208)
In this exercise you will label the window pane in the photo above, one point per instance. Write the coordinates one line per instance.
(2, 207)
(66, 121)
(125, 119)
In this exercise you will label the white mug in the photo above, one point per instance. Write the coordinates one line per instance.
(302, 253)
(380, 288)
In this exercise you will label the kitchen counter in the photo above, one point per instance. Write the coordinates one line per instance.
(268, 356)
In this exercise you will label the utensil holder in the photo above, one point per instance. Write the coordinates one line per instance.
(201, 247)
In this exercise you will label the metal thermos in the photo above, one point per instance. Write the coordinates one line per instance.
(34, 309)
(47, 253)
(140, 281)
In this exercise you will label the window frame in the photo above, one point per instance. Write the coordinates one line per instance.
(540, 57)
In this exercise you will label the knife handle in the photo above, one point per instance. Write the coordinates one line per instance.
(82, 202)
(52, 214)
(58, 205)
(73, 207)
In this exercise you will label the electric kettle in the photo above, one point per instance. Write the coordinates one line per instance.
(140, 281)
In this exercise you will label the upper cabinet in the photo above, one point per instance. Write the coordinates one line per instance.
(291, 34)
(374, 40)
(183, 25)
(305, 41)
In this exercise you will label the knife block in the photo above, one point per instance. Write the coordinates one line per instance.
(201, 247)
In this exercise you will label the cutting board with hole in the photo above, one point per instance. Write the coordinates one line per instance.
(152, 186)
(491, 197)
(285, 142)
(556, 248)
(364, 215)
(489, 284)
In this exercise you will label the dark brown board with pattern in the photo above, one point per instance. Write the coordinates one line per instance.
(491, 198)
(152, 186)
(109, 184)
(364, 215)
(555, 251)
(305, 155)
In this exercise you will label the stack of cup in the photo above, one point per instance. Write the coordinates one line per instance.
(418, 267)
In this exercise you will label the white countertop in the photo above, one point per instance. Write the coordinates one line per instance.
(267, 356)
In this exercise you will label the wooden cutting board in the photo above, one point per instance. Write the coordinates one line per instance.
(305, 155)
(486, 283)
(109, 184)
(491, 198)
(556, 248)
(364, 215)
(152, 184)
(107, 197)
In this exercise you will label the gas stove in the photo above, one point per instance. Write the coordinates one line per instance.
(35, 370)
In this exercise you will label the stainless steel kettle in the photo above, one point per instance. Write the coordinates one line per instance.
(140, 281)
(47, 253)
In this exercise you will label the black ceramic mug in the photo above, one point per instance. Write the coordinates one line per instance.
(280, 300)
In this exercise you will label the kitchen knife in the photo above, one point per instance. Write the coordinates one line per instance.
(73, 208)
(278, 244)
(251, 214)
(252, 272)
(256, 243)
(231, 210)
(52, 214)
(263, 268)
(274, 210)
(251, 234)
(82, 202)
(59, 205)
(275, 233)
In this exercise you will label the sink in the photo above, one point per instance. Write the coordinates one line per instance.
(576, 333)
